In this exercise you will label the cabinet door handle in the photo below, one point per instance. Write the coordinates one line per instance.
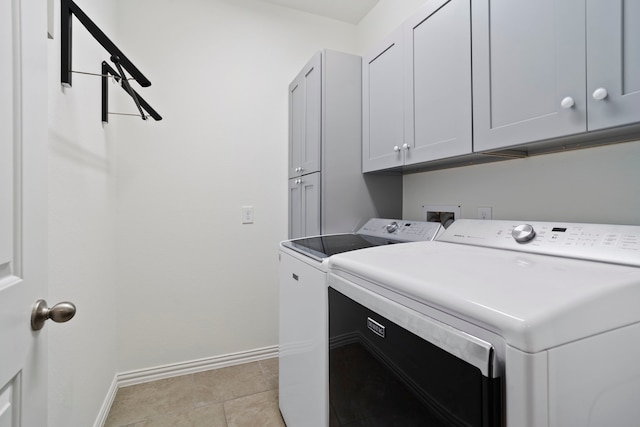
(396, 148)
(406, 146)
(600, 94)
(567, 102)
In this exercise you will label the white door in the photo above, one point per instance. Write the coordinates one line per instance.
(23, 134)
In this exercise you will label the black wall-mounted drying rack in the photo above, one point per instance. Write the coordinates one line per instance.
(70, 9)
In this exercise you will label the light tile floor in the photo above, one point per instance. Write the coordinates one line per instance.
(238, 396)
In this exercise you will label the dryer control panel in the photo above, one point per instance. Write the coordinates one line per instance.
(399, 230)
(618, 244)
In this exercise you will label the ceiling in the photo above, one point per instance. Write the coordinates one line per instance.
(351, 11)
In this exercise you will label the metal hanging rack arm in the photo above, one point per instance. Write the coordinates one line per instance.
(127, 87)
(107, 70)
(69, 9)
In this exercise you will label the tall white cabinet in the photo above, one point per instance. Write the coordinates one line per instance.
(327, 191)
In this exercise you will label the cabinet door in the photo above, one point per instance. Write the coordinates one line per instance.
(304, 206)
(437, 69)
(295, 209)
(382, 109)
(310, 202)
(613, 62)
(305, 119)
(528, 56)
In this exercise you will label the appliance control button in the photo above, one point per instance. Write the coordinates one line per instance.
(392, 227)
(523, 233)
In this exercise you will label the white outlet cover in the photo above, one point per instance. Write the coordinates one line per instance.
(247, 214)
(484, 213)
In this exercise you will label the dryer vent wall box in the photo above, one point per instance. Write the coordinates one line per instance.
(444, 214)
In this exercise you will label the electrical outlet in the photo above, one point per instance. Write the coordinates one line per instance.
(484, 213)
(247, 214)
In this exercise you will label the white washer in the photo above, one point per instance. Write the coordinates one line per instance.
(557, 303)
(303, 369)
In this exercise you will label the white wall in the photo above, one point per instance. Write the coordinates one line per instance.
(591, 185)
(383, 19)
(193, 282)
(82, 352)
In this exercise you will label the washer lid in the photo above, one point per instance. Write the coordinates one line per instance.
(320, 247)
(376, 232)
(533, 301)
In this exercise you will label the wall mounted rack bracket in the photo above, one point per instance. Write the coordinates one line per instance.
(70, 9)
(107, 71)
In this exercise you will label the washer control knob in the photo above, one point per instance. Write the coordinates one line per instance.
(392, 227)
(523, 233)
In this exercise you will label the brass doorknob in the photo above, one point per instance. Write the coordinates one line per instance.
(59, 313)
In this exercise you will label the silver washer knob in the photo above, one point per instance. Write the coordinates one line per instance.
(523, 233)
(392, 227)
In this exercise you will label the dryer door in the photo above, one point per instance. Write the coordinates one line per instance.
(390, 365)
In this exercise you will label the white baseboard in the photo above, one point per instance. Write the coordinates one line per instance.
(184, 368)
(106, 405)
(140, 376)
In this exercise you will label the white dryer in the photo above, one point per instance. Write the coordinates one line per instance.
(497, 323)
(303, 366)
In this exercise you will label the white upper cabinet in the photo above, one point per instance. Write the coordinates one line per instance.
(417, 89)
(613, 63)
(382, 104)
(437, 83)
(305, 119)
(551, 68)
(528, 71)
